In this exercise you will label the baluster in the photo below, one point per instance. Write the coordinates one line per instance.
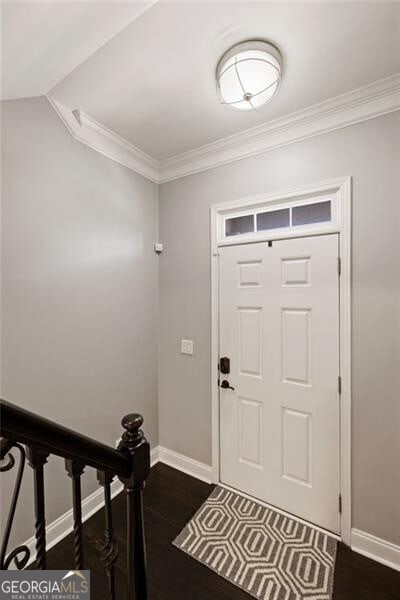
(21, 554)
(110, 549)
(134, 443)
(37, 460)
(75, 470)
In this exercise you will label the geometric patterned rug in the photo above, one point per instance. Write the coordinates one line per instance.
(268, 555)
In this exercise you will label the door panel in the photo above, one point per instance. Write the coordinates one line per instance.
(250, 340)
(295, 339)
(296, 445)
(279, 324)
(250, 431)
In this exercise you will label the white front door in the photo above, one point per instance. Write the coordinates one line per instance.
(279, 326)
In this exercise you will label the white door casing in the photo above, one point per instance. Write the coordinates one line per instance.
(339, 190)
(279, 325)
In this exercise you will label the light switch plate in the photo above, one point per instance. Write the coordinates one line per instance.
(187, 347)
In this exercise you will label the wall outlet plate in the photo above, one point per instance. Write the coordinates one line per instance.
(187, 347)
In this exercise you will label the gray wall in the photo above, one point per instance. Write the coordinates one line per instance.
(370, 153)
(80, 294)
(80, 289)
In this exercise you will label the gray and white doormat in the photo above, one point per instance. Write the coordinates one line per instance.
(268, 555)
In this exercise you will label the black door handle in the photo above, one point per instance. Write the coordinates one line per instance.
(225, 385)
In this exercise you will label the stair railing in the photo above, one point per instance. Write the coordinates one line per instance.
(33, 439)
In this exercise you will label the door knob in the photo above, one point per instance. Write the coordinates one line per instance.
(225, 385)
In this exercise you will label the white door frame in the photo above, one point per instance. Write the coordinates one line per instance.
(339, 191)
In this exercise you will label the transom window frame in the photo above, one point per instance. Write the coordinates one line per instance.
(270, 203)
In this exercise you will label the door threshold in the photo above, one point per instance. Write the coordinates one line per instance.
(331, 534)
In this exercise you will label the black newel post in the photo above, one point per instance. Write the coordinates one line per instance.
(134, 443)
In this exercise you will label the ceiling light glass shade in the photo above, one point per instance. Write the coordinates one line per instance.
(249, 74)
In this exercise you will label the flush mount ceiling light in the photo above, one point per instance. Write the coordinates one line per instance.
(249, 74)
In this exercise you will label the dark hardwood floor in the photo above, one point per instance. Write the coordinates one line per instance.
(171, 498)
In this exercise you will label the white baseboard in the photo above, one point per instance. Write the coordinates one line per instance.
(61, 527)
(185, 464)
(370, 546)
(373, 547)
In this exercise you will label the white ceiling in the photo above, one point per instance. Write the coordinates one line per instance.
(153, 83)
(42, 42)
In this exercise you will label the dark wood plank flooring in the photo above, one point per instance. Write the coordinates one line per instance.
(171, 499)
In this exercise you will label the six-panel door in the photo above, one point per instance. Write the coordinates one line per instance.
(279, 325)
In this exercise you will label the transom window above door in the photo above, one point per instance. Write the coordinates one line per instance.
(263, 219)
(271, 218)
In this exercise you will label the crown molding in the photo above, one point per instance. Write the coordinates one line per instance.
(368, 102)
(98, 137)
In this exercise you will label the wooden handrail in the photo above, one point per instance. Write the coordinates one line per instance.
(33, 430)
